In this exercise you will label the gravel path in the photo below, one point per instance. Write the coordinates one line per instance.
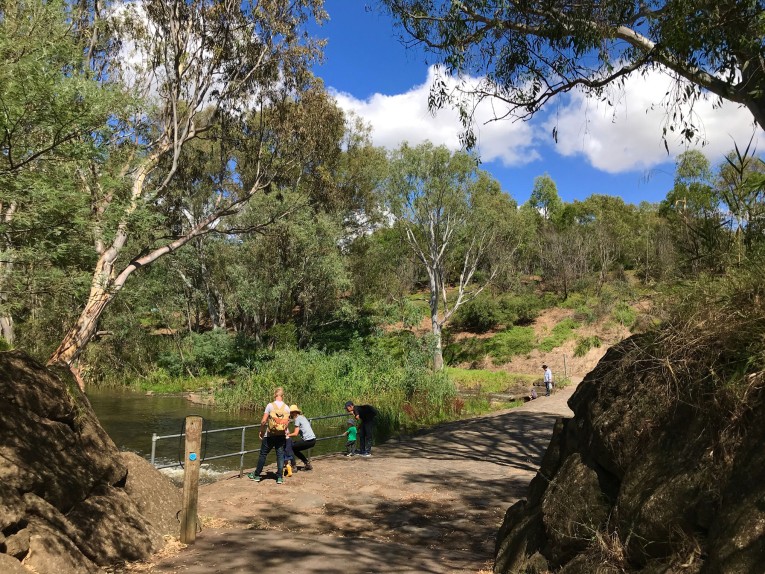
(431, 503)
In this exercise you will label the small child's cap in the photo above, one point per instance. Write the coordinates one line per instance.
(351, 422)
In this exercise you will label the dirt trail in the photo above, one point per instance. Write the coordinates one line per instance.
(431, 503)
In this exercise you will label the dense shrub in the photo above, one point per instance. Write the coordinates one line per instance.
(210, 353)
(282, 336)
(487, 312)
(506, 345)
(584, 344)
(479, 315)
(624, 314)
(467, 350)
(379, 371)
(524, 309)
(585, 308)
(561, 333)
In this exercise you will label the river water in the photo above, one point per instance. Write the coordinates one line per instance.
(130, 419)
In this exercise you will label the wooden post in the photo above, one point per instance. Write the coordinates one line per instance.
(565, 368)
(191, 479)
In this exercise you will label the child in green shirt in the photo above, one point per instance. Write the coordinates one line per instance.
(350, 445)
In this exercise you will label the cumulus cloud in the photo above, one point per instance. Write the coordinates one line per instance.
(405, 117)
(623, 137)
(627, 136)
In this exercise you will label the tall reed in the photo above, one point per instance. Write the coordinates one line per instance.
(402, 387)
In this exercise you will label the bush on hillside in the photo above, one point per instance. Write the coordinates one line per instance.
(468, 350)
(624, 314)
(584, 344)
(478, 315)
(523, 309)
(584, 307)
(487, 312)
(515, 341)
(561, 333)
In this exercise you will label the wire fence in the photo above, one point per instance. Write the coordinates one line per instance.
(214, 440)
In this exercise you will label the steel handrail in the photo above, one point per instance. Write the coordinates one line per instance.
(241, 453)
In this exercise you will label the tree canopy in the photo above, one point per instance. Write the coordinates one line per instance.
(527, 52)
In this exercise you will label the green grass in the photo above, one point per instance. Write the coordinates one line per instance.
(561, 333)
(584, 344)
(507, 344)
(486, 381)
(624, 314)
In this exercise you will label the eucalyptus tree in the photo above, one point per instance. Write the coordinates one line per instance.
(564, 257)
(654, 243)
(693, 207)
(611, 225)
(440, 201)
(293, 271)
(740, 185)
(49, 99)
(199, 67)
(525, 53)
(544, 197)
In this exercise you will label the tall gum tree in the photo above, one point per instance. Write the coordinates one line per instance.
(198, 66)
(49, 98)
(527, 52)
(451, 216)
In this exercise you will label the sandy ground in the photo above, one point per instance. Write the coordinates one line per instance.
(431, 503)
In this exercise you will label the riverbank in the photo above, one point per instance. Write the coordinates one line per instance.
(431, 503)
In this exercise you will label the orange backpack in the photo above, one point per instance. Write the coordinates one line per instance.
(278, 420)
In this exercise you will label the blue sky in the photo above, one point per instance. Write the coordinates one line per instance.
(614, 151)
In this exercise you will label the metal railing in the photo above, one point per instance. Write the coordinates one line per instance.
(241, 452)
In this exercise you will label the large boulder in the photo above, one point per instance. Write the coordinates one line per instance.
(654, 474)
(158, 499)
(64, 505)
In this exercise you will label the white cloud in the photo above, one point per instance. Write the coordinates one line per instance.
(405, 117)
(624, 137)
(627, 136)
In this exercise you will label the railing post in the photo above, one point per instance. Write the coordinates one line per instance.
(153, 447)
(241, 457)
(191, 479)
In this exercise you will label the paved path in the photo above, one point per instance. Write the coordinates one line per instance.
(429, 504)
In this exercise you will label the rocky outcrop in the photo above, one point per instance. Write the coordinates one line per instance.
(69, 502)
(656, 473)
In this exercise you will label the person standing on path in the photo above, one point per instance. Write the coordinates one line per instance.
(302, 427)
(548, 380)
(273, 435)
(367, 415)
